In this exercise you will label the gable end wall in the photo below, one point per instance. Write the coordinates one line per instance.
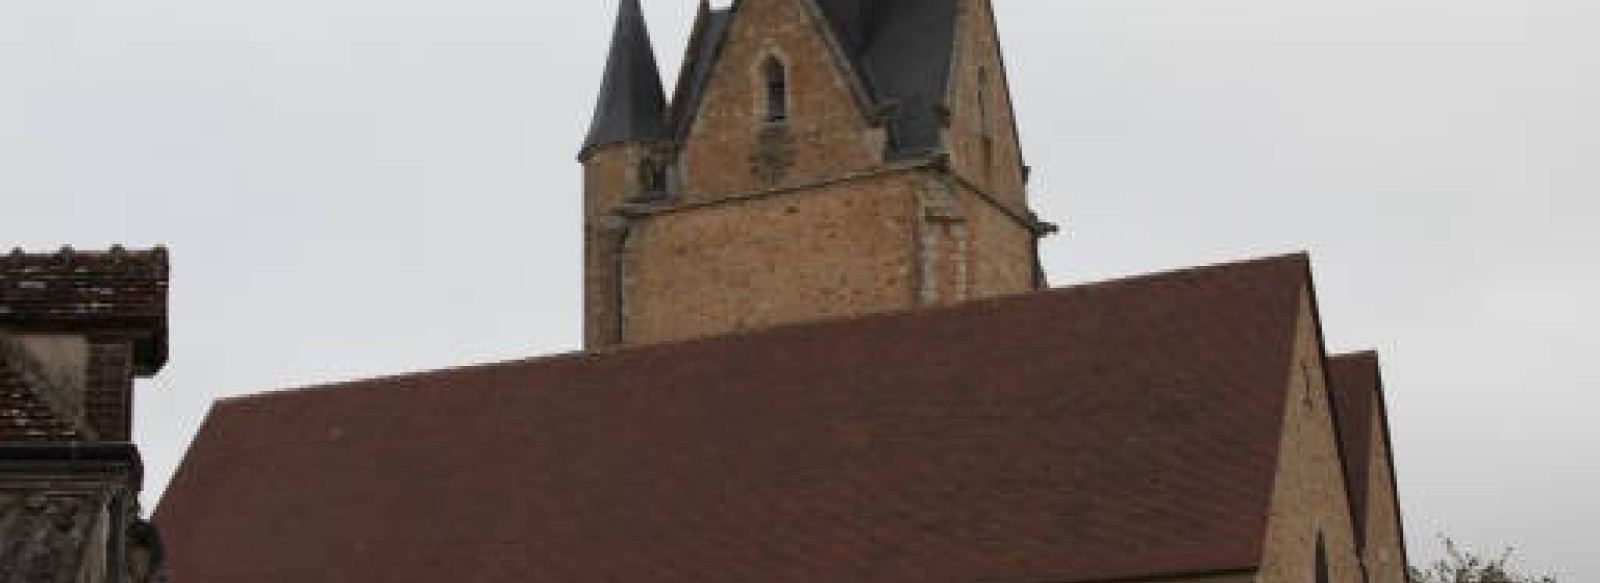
(993, 163)
(1385, 543)
(828, 133)
(1309, 494)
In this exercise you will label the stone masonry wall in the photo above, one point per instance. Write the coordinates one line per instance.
(1309, 495)
(731, 148)
(50, 535)
(108, 402)
(829, 251)
(987, 154)
(1002, 249)
(803, 219)
(970, 248)
(1384, 544)
(610, 175)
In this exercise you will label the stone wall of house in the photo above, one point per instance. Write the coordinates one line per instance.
(51, 535)
(611, 174)
(983, 146)
(833, 250)
(1383, 550)
(108, 402)
(1308, 498)
(1003, 248)
(732, 149)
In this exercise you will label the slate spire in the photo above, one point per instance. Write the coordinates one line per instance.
(632, 105)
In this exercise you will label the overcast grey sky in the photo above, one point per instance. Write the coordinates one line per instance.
(356, 187)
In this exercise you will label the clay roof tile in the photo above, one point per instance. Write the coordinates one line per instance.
(1102, 431)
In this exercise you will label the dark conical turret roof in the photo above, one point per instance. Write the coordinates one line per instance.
(632, 105)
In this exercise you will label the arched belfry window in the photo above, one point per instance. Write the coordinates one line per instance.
(776, 83)
(986, 122)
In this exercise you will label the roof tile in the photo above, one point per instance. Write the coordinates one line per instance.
(1095, 432)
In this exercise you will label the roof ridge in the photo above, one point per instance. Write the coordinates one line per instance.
(156, 257)
(388, 378)
(577, 356)
(1299, 256)
(760, 332)
(768, 330)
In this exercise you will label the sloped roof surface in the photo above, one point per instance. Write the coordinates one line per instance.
(1114, 429)
(902, 50)
(24, 417)
(710, 28)
(1355, 397)
(632, 105)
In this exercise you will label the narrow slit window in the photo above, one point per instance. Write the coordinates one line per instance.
(984, 119)
(777, 88)
(1322, 560)
(652, 176)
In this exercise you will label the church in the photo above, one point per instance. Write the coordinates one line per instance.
(819, 346)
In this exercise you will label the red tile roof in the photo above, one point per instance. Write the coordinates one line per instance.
(1355, 395)
(1096, 432)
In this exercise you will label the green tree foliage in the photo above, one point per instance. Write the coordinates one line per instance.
(1465, 566)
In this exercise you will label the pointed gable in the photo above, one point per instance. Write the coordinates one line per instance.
(899, 50)
(1104, 431)
(1369, 464)
(710, 28)
(632, 105)
(771, 54)
(1355, 388)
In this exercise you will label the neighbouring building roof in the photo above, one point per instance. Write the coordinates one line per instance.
(78, 291)
(1356, 395)
(1109, 430)
(632, 106)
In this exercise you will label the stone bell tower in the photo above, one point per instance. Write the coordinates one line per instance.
(818, 159)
